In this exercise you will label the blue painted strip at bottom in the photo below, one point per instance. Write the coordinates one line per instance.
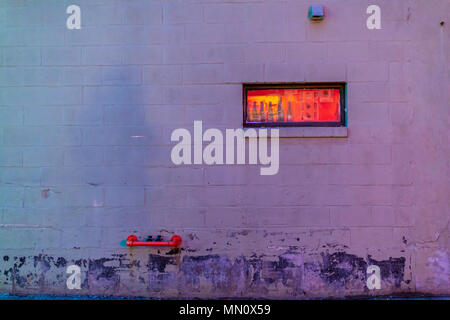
(7, 296)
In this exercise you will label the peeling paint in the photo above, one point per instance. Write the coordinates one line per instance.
(219, 275)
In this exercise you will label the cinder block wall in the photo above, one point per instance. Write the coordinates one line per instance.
(85, 123)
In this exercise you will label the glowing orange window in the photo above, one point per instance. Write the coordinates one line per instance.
(302, 105)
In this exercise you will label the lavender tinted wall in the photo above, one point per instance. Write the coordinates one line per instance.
(85, 123)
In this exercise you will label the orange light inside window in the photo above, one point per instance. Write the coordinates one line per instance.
(293, 105)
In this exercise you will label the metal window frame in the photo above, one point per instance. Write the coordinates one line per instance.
(303, 85)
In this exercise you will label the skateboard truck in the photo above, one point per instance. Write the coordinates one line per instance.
(132, 241)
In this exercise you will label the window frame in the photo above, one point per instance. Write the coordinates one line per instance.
(304, 85)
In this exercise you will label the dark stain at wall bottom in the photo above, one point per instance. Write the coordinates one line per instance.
(249, 276)
(341, 268)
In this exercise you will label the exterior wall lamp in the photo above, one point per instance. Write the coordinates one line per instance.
(315, 13)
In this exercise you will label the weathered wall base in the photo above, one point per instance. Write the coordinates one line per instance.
(289, 268)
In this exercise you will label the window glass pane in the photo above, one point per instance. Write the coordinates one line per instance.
(293, 105)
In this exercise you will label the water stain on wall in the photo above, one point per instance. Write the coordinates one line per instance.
(216, 275)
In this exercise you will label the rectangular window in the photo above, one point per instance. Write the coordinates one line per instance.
(294, 105)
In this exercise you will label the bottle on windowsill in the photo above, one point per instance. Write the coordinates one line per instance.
(255, 116)
(262, 117)
(289, 112)
(270, 113)
(280, 112)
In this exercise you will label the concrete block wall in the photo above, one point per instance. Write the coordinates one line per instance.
(85, 122)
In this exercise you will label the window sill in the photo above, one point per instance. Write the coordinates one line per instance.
(311, 132)
(314, 132)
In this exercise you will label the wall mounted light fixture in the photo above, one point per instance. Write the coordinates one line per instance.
(315, 13)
